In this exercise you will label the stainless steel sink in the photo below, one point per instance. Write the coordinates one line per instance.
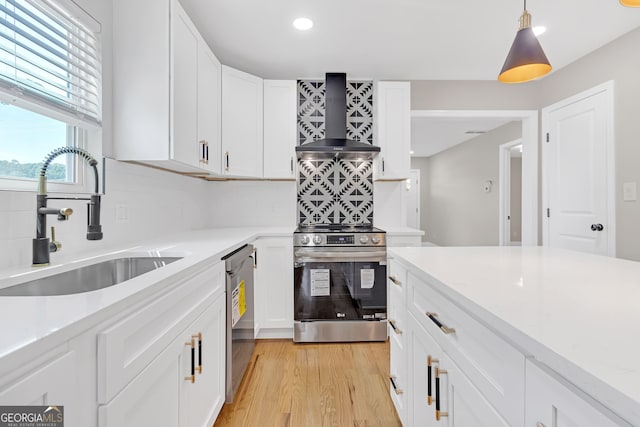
(89, 278)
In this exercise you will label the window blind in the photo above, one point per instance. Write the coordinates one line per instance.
(50, 57)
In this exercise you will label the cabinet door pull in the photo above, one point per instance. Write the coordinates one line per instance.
(397, 390)
(255, 258)
(382, 165)
(443, 328)
(431, 361)
(206, 152)
(395, 280)
(226, 156)
(395, 327)
(199, 337)
(192, 377)
(438, 413)
(291, 165)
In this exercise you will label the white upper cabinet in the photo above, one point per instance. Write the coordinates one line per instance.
(209, 109)
(166, 89)
(393, 131)
(242, 120)
(280, 128)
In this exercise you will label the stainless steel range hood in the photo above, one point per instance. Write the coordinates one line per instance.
(335, 143)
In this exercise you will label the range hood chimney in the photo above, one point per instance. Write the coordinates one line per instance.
(335, 142)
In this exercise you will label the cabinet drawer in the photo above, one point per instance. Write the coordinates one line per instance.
(494, 367)
(127, 347)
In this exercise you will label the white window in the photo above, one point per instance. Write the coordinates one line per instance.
(50, 88)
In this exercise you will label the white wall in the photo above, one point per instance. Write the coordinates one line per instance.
(618, 61)
(252, 203)
(422, 164)
(460, 212)
(156, 203)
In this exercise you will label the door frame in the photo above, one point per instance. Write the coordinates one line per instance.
(504, 178)
(416, 172)
(608, 89)
(529, 120)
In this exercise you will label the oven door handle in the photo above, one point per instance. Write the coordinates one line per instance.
(373, 256)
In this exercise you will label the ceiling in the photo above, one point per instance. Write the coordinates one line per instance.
(399, 39)
(402, 40)
(431, 135)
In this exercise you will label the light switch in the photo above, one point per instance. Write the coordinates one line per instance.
(629, 192)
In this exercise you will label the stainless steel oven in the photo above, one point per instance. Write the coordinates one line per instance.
(340, 285)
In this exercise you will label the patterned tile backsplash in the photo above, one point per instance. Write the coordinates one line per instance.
(335, 191)
(311, 111)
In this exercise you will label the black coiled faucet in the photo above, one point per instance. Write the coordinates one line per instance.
(42, 245)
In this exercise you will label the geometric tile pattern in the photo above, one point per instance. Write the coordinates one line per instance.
(335, 191)
(311, 96)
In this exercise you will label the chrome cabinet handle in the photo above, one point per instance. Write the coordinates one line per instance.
(397, 390)
(439, 414)
(395, 280)
(443, 328)
(291, 165)
(226, 155)
(395, 327)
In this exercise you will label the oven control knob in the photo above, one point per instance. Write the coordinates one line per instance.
(304, 240)
(364, 239)
(375, 240)
(317, 240)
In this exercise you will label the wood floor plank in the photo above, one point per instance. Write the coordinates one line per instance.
(313, 385)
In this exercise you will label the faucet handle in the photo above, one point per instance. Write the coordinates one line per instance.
(64, 213)
(54, 245)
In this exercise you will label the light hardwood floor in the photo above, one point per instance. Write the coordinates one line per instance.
(314, 385)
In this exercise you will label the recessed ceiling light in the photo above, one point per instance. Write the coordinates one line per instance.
(303, 24)
(540, 29)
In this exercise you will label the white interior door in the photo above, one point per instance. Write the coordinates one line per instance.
(413, 199)
(578, 177)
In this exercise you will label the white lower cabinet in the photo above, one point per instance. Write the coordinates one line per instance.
(475, 376)
(165, 393)
(424, 355)
(466, 405)
(274, 287)
(164, 364)
(151, 399)
(202, 400)
(550, 403)
(50, 383)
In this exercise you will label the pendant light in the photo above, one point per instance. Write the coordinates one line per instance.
(630, 3)
(526, 59)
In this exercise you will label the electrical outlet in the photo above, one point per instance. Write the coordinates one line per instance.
(122, 213)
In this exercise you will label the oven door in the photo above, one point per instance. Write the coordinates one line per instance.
(339, 284)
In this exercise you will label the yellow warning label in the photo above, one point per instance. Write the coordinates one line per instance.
(242, 300)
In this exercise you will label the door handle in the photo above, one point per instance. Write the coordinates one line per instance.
(597, 227)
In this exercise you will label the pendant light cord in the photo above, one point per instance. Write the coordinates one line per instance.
(525, 4)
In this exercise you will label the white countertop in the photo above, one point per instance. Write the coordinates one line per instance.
(575, 312)
(401, 231)
(35, 324)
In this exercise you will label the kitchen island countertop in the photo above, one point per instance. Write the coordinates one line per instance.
(577, 313)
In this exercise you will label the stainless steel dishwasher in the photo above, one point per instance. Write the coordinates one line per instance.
(239, 266)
